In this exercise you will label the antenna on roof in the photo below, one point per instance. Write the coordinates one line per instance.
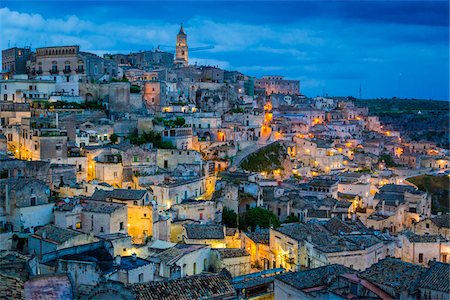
(360, 90)
(9, 43)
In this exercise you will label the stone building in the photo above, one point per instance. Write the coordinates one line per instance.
(51, 238)
(14, 61)
(278, 85)
(438, 225)
(299, 245)
(24, 204)
(181, 52)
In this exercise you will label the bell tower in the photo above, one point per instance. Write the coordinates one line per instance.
(181, 55)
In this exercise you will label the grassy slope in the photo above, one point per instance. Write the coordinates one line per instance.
(438, 186)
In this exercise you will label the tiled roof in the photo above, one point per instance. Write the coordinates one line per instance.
(56, 234)
(436, 278)
(396, 188)
(397, 274)
(335, 226)
(325, 241)
(231, 252)
(14, 264)
(260, 236)
(425, 238)
(11, 287)
(16, 184)
(120, 194)
(101, 207)
(172, 255)
(203, 231)
(313, 277)
(230, 231)
(210, 286)
(442, 221)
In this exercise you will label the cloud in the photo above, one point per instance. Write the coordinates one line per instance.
(334, 46)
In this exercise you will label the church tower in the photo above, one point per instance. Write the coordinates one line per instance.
(181, 55)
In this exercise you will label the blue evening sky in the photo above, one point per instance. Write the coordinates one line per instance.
(393, 48)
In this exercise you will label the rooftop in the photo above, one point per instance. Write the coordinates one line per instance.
(313, 277)
(260, 236)
(119, 194)
(397, 274)
(204, 231)
(435, 278)
(231, 252)
(208, 286)
(55, 234)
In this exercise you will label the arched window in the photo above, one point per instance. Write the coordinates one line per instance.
(54, 66)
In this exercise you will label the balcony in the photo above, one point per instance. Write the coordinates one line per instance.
(39, 72)
(67, 71)
(79, 70)
(54, 71)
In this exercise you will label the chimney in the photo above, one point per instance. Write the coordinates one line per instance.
(117, 261)
(133, 257)
(343, 217)
(382, 206)
(353, 217)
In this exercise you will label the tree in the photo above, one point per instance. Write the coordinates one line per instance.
(258, 216)
(114, 138)
(292, 219)
(179, 122)
(229, 218)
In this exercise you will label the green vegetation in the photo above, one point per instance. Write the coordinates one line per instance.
(388, 160)
(365, 171)
(178, 122)
(149, 137)
(134, 89)
(124, 79)
(258, 216)
(438, 187)
(396, 106)
(96, 105)
(229, 218)
(267, 159)
(114, 138)
(237, 110)
(291, 219)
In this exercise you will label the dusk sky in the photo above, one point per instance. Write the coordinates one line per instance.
(390, 48)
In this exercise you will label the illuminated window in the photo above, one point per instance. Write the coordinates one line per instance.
(78, 225)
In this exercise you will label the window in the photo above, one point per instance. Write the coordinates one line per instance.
(141, 277)
(101, 229)
(135, 202)
(201, 216)
(33, 201)
(194, 268)
(420, 257)
(78, 225)
(58, 147)
(115, 174)
(444, 258)
(427, 225)
(121, 226)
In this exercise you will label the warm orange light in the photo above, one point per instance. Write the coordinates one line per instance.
(388, 133)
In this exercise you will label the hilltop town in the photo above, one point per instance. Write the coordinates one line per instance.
(141, 176)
